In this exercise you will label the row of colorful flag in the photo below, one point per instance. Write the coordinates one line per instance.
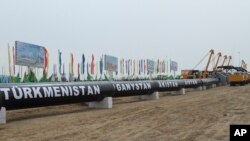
(123, 67)
(127, 67)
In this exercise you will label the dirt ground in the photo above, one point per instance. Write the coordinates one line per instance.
(196, 116)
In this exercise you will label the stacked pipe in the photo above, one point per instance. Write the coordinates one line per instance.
(20, 96)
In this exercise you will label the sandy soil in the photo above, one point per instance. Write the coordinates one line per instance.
(197, 116)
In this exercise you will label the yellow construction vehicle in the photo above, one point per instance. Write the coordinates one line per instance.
(205, 72)
(236, 75)
(190, 74)
(248, 77)
(193, 74)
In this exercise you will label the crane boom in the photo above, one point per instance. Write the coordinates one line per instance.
(219, 56)
(230, 57)
(225, 58)
(208, 63)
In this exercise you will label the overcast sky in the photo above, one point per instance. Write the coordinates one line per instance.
(184, 30)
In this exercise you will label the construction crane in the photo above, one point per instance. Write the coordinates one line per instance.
(194, 73)
(225, 58)
(205, 73)
(229, 59)
(217, 62)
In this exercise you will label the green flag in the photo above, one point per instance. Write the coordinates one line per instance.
(26, 78)
(50, 78)
(106, 78)
(16, 79)
(89, 78)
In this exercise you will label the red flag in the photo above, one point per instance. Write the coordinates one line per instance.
(46, 62)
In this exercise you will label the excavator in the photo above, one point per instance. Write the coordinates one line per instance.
(195, 74)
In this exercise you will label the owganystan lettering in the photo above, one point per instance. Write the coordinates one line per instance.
(49, 91)
(133, 86)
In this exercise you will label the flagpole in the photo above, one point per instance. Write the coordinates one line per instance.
(9, 61)
(21, 71)
(78, 71)
(97, 68)
(69, 72)
(14, 69)
(63, 69)
(2, 71)
(36, 73)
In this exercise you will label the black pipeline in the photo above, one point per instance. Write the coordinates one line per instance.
(19, 96)
(39, 95)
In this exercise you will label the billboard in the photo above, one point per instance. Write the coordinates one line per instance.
(150, 66)
(29, 55)
(111, 63)
(173, 66)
